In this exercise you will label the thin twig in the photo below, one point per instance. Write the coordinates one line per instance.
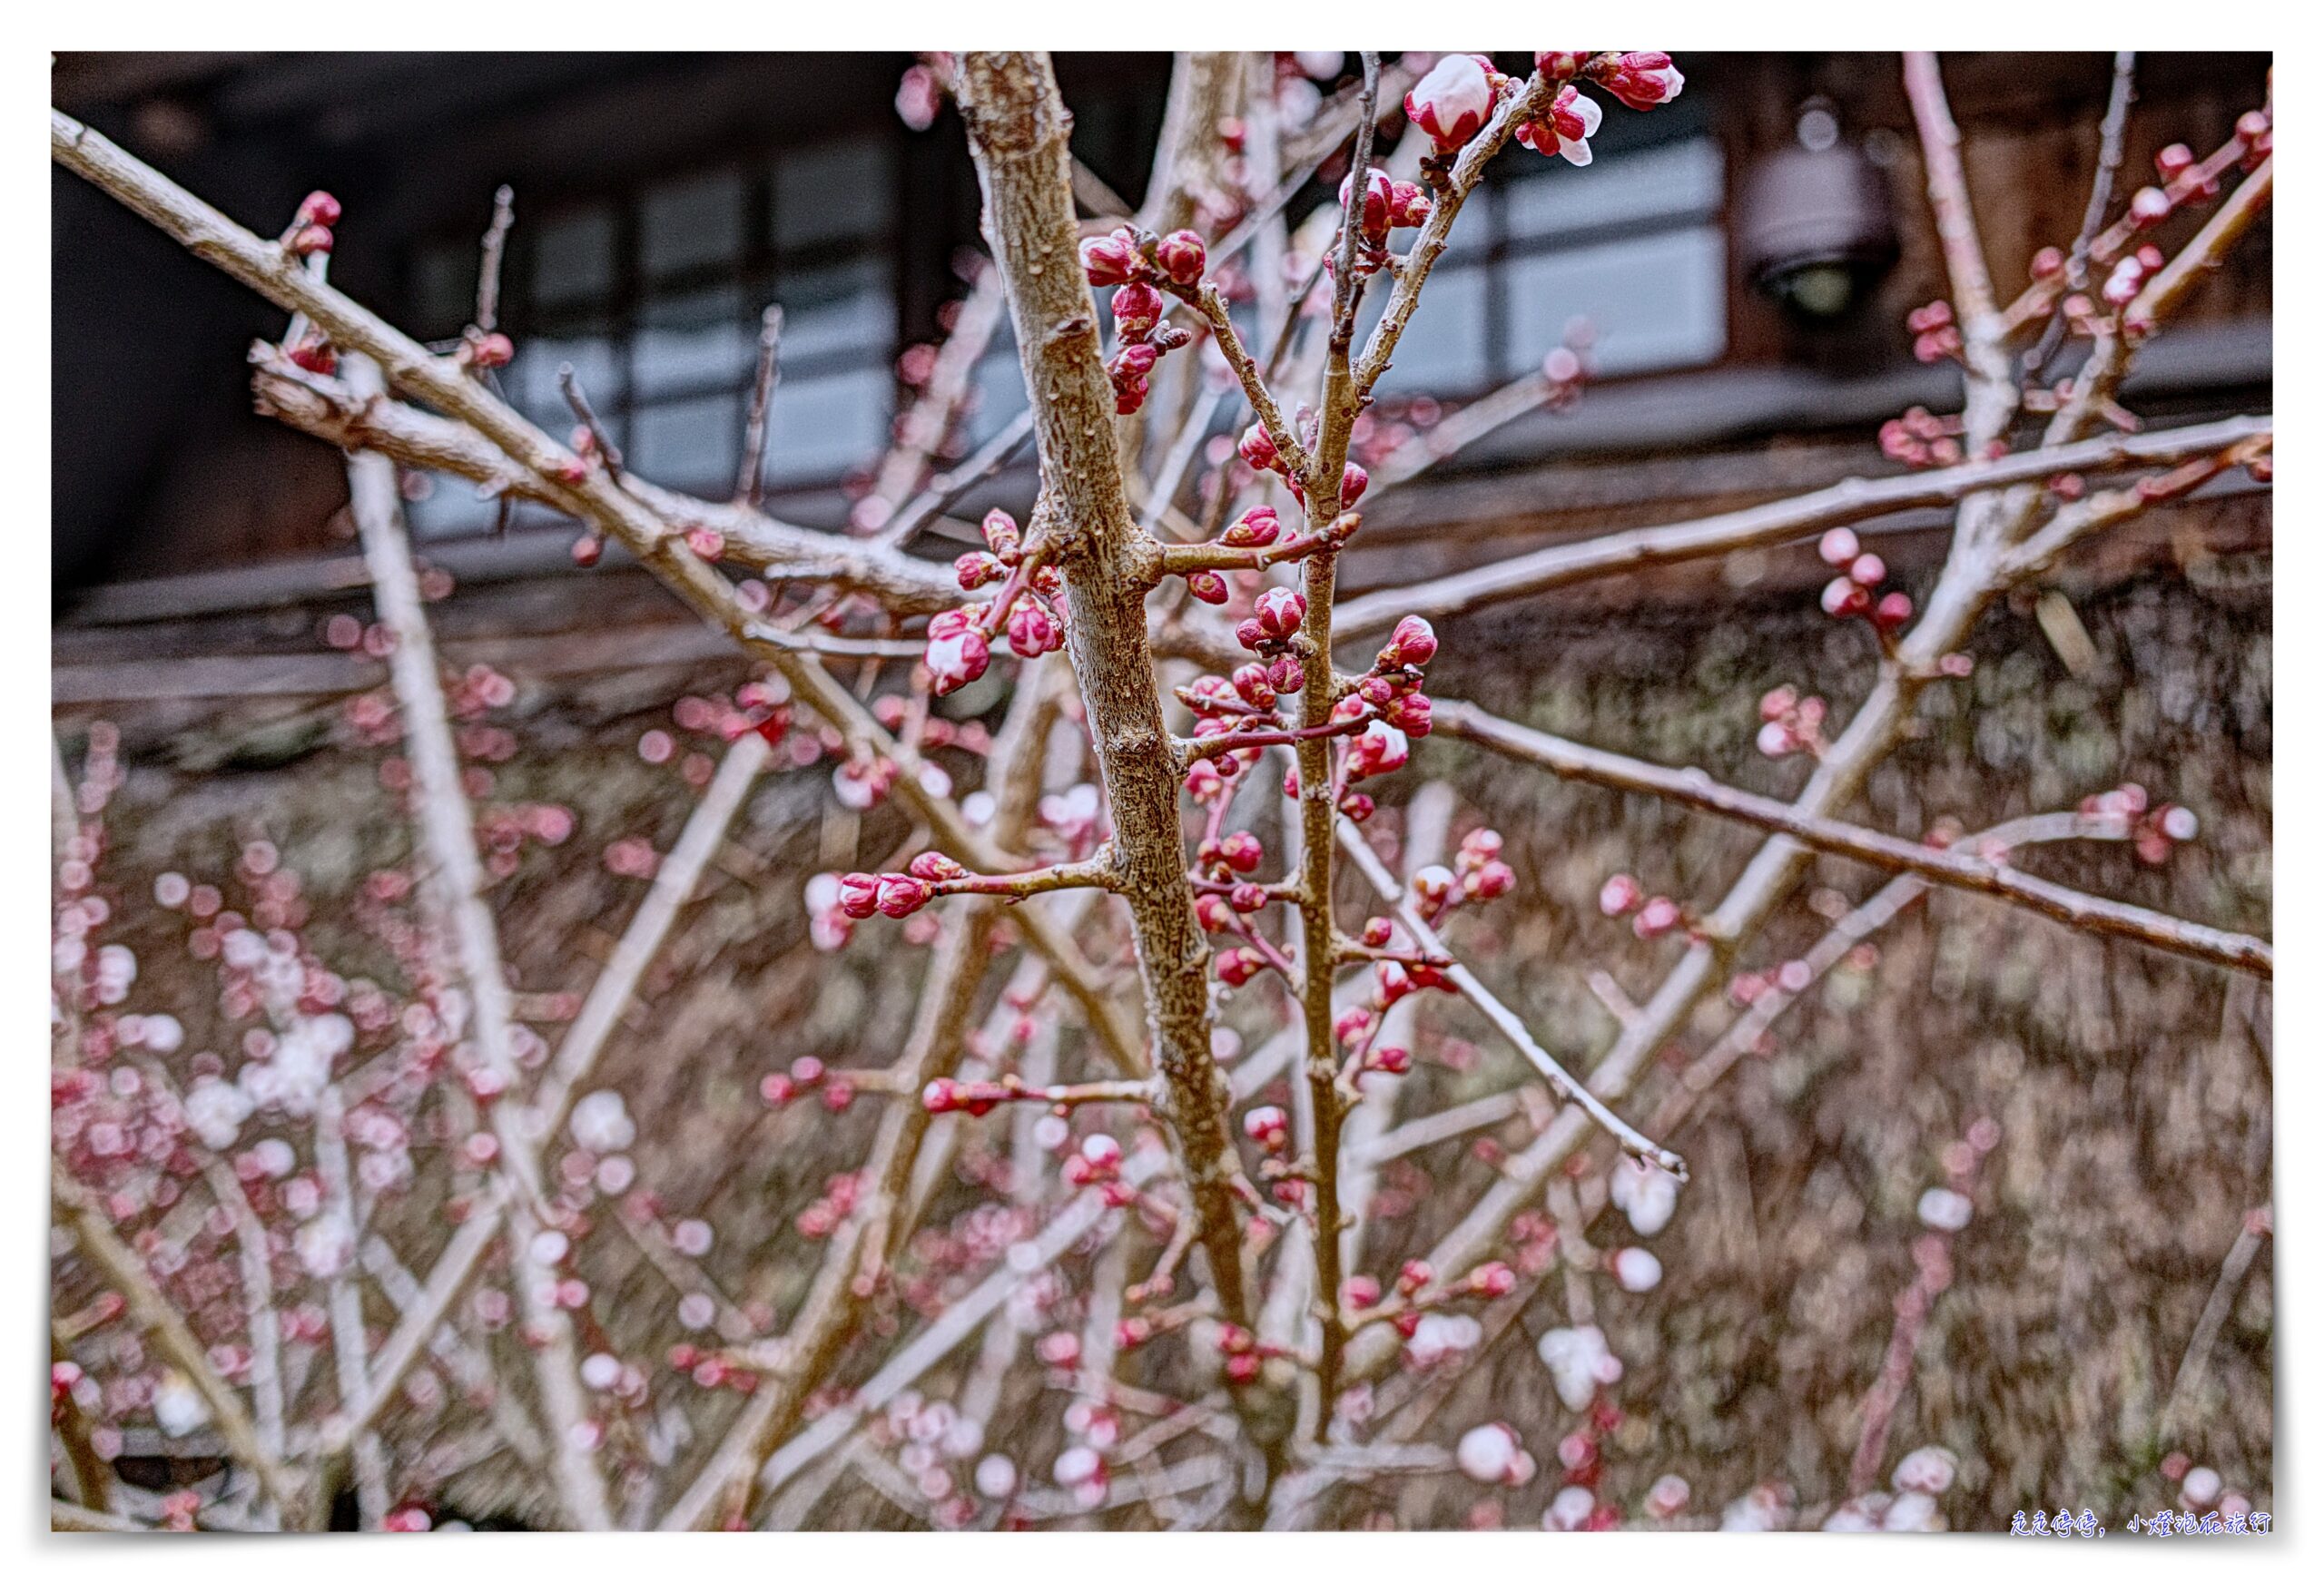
(750, 480)
(495, 249)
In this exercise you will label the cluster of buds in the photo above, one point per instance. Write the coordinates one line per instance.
(1855, 591)
(959, 641)
(1477, 874)
(807, 1075)
(1790, 725)
(1651, 917)
(927, 877)
(310, 229)
(1920, 438)
(2153, 828)
(1275, 620)
(1142, 267)
(1389, 205)
(1098, 1163)
(1936, 335)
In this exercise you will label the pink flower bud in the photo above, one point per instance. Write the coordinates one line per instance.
(1258, 448)
(1642, 79)
(936, 866)
(1249, 632)
(1393, 1059)
(1033, 630)
(2175, 161)
(1000, 532)
(1286, 675)
(902, 895)
(1413, 642)
(1493, 1280)
(1207, 587)
(1182, 257)
(1255, 528)
(1560, 65)
(315, 355)
(1373, 219)
(1241, 850)
(1238, 966)
(1267, 1126)
(1838, 546)
(1409, 713)
(1868, 570)
(1844, 597)
(1137, 309)
(1112, 260)
(587, 550)
(1251, 685)
(1619, 895)
(1280, 611)
(1408, 206)
(1659, 917)
(955, 661)
(310, 240)
(1353, 481)
(859, 895)
(318, 208)
(1359, 1293)
(1415, 1274)
(2149, 206)
(977, 569)
(1451, 102)
(1573, 118)
(1893, 612)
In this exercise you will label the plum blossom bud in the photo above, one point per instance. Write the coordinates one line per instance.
(936, 867)
(1580, 1362)
(1659, 917)
(1893, 612)
(1137, 309)
(1286, 674)
(2180, 823)
(1572, 120)
(1258, 448)
(1280, 611)
(1377, 196)
(1451, 102)
(1102, 1151)
(1929, 1471)
(1637, 1270)
(310, 240)
(1844, 597)
(1033, 630)
(859, 895)
(1241, 850)
(1645, 1192)
(900, 895)
(318, 208)
(1667, 1498)
(955, 661)
(2201, 1488)
(1409, 713)
(1000, 532)
(2149, 206)
(1414, 1274)
(977, 569)
(1207, 587)
(1182, 258)
(1359, 1293)
(1838, 546)
(1381, 750)
(1943, 1209)
(1251, 685)
(1569, 1509)
(315, 355)
(1642, 79)
(1558, 64)
(1619, 895)
(1255, 529)
(1353, 481)
(1408, 206)
(1267, 1126)
(1112, 260)
(1868, 570)
(1492, 1280)
(1490, 1454)
(1433, 885)
(1413, 642)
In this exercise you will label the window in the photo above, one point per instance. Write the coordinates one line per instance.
(1632, 243)
(655, 298)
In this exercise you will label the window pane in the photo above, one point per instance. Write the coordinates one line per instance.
(1655, 302)
(837, 192)
(689, 445)
(818, 428)
(684, 225)
(840, 309)
(1442, 348)
(1676, 181)
(573, 260)
(685, 343)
